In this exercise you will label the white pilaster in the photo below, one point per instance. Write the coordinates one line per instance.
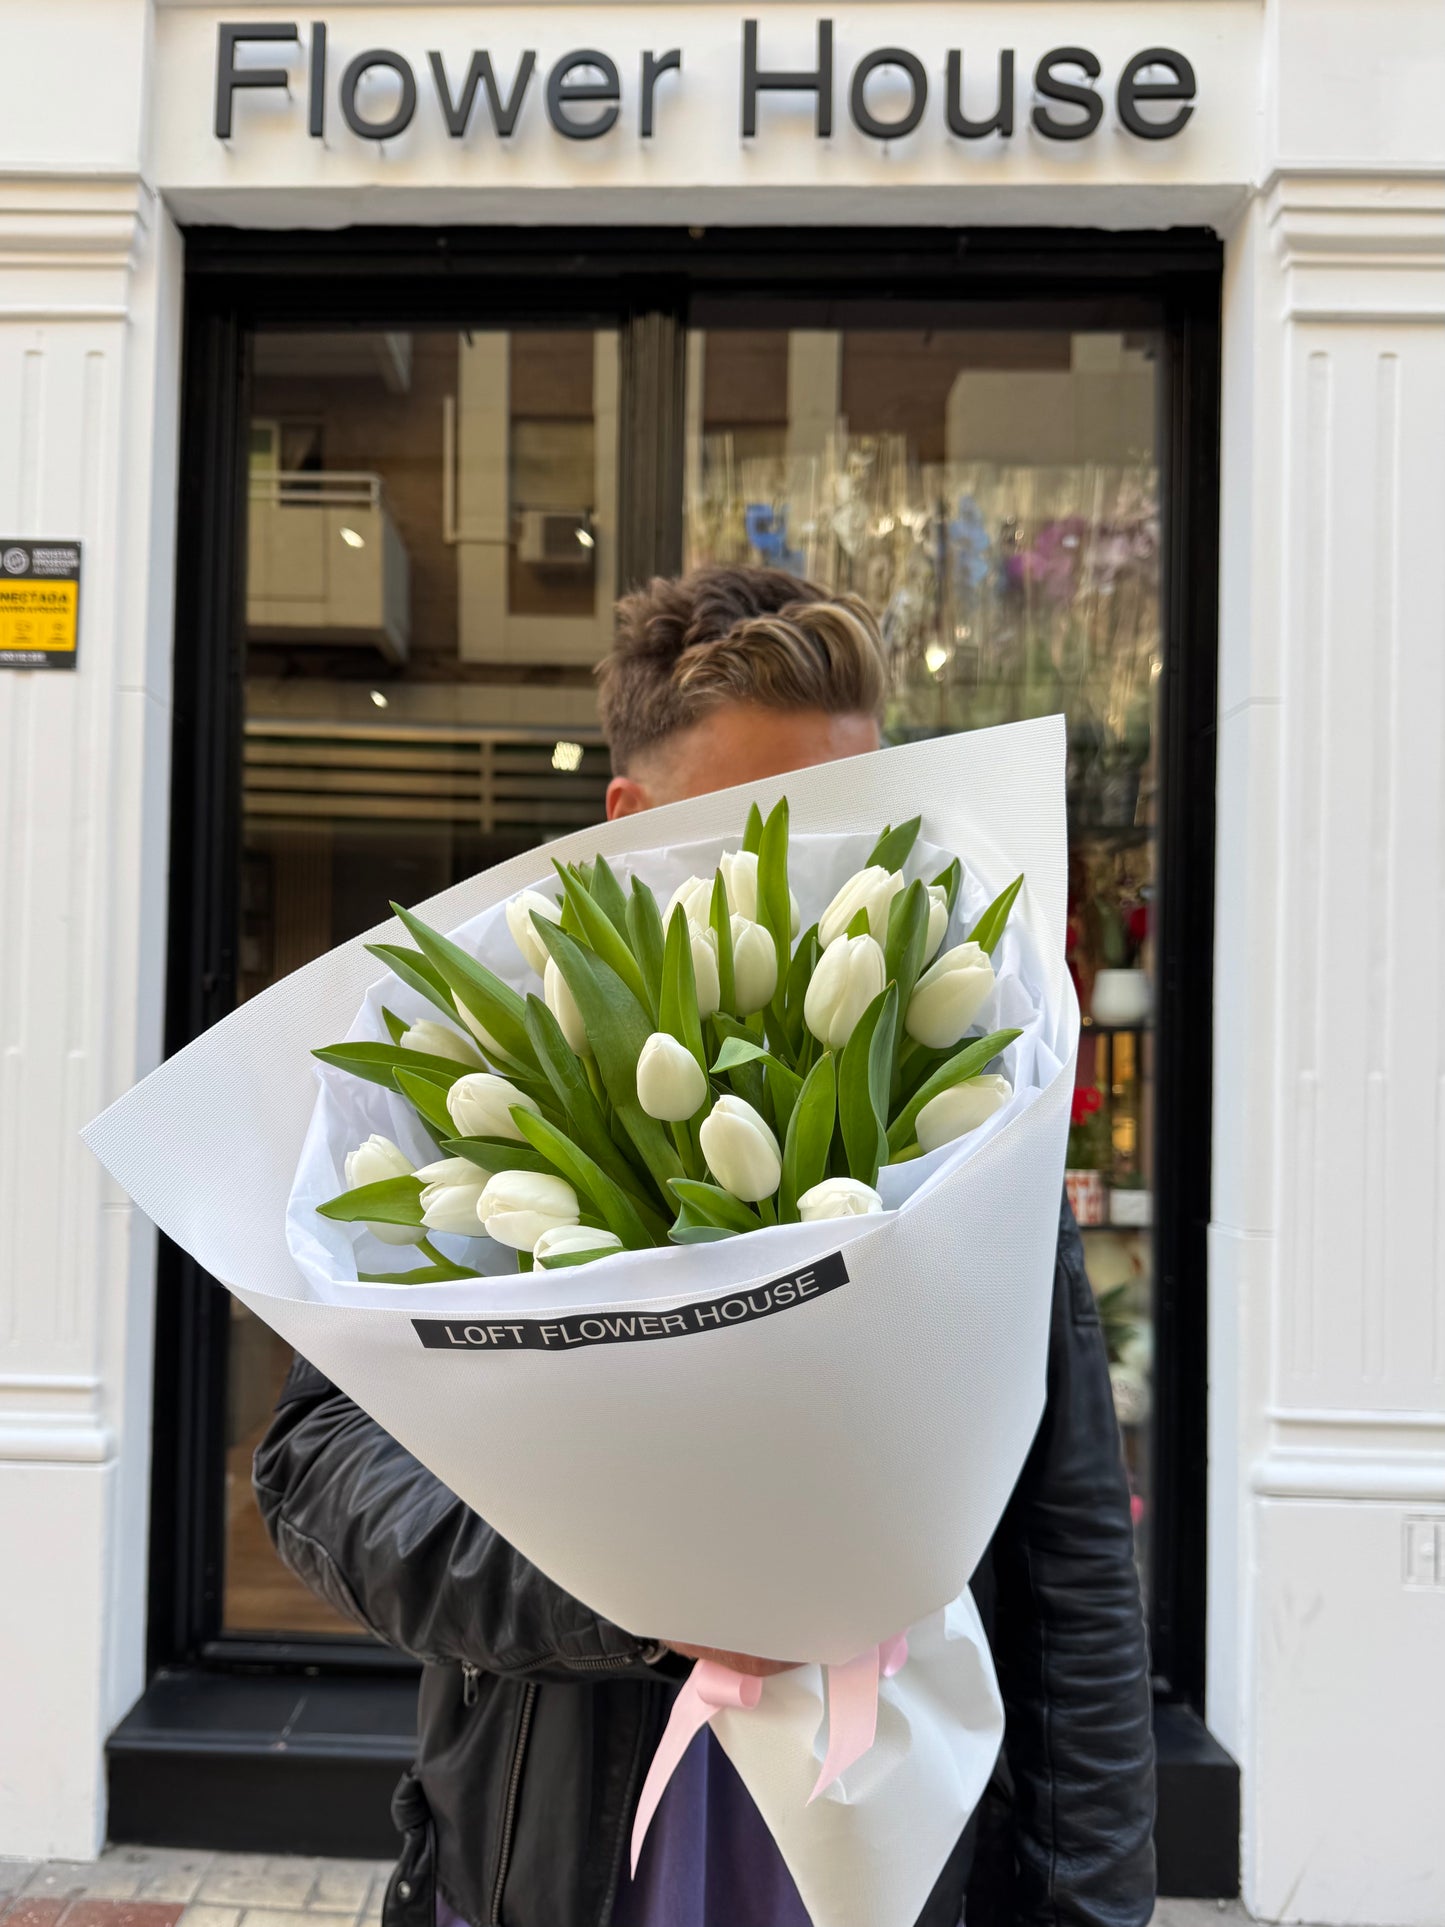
(89, 355)
(1327, 1251)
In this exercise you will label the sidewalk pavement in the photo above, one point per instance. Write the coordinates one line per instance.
(172, 1887)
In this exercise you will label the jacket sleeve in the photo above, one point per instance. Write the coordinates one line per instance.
(1070, 1644)
(385, 1543)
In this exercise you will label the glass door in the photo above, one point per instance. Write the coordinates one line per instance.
(416, 472)
(993, 495)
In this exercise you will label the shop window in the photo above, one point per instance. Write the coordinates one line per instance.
(994, 497)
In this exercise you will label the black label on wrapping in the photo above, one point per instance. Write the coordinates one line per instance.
(580, 1329)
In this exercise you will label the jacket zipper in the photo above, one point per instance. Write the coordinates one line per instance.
(471, 1683)
(509, 1812)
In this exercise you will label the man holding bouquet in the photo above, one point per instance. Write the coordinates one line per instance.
(537, 1719)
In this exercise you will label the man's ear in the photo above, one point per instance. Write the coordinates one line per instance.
(626, 796)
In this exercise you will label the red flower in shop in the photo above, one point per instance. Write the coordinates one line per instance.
(1087, 1099)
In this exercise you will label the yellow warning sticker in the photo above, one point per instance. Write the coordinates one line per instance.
(39, 604)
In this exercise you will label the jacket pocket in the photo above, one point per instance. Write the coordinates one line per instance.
(411, 1893)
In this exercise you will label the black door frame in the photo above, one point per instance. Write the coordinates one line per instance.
(650, 283)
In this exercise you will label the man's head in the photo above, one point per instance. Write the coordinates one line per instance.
(728, 675)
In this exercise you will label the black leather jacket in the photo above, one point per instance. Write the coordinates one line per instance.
(537, 1718)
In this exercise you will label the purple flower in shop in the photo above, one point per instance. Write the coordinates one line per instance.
(1052, 562)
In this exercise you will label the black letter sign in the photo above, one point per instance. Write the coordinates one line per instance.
(229, 77)
(378, 130)
(868, 123)
(1132, 89)
(818, 80)
(1002, 121)
(561, 95)
(1052, 88)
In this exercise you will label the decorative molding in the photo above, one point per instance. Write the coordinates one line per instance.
(52, 1418)
(1384, 1478)
(1359, 247)
(68, 243)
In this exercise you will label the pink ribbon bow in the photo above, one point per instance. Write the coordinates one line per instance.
(852, 1719)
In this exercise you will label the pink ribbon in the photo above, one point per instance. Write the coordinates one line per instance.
(852, 1717)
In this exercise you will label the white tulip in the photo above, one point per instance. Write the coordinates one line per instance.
(960, 1109)
(838, 1198)
(937, 919)
(565, 1238)
(740, 880)
(373, 1163)
(848, 976)
(704, 969)
(755, 966)
(695, 896)
(524, 935)
(872, 890)
(481, 1104)
(439, 1040)
(516, 1207)
(949, 995)
(450, 1190)
(741, 1151)
(670, 1081)
(563, 1006)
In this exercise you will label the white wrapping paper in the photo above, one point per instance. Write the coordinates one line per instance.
(802, 1484)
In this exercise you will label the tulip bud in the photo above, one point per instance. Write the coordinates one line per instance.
(961, 1108)
(450, 1190)
(838, 1198)
(516, 1207)
(439, 1040)
(480, 1105)
(695, 896)
(670, 1081)
(704, 969)
(740, 880)
(563, 1239)
(524, 934)
(755, 966)
(937, 919)
(872, 890)
(563, 1006)
(948, 996)
(741, 1151)
(373, 1163)
(848, 976)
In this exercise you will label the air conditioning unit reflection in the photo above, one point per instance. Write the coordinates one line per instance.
(555, 538)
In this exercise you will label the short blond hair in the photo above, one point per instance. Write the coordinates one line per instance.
(687, 644)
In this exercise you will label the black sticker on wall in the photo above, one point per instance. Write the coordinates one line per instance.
(635, 1327)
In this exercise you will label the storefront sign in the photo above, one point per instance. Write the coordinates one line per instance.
(39, 604)
(378, 95)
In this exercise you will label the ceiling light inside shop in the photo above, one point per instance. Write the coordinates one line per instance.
(378, 699)
(352, 539)
(934, 657)
(567, 756)
(584, 536)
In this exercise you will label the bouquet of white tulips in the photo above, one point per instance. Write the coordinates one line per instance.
(730, 1144)
(684, 1076)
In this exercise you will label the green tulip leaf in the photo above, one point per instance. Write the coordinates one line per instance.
(907, 940)
(894, 846)
(396, 1027)
(493, 1154)
(972, 1061)
(990, 926)
(576, 1099)
(428, 1099)
(392, 1201)
(621, 1216)
(699, 1234)
(617, 1028)
(601, 934)
(721, 919)
(441, 1273)
(952, 881)
(379, 1063)
(859, 925)
(644, 927)
(800, 973)
(564, 1259)
(753, 829)
(495, 1005)
(609, 896)
(775, 910)
(810, 1135)
(784, 1089)
(677, 1011)
(418, 974)
(715, 1206)
(865, 1072)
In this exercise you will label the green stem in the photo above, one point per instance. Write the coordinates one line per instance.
(594, 1078)
(767, 1211)
(429, 1250)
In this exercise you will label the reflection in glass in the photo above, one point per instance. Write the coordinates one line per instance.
(994, 498)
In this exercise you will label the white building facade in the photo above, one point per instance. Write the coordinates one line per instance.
(1315, 150)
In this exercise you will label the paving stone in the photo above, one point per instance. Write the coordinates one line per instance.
(14, 1877)
(121, 1913)
(273, 1917)
(96, 1879)
(172, 1876)
(28, 1912)
(250, 1880)
(342, 1887)
(199, 1914)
